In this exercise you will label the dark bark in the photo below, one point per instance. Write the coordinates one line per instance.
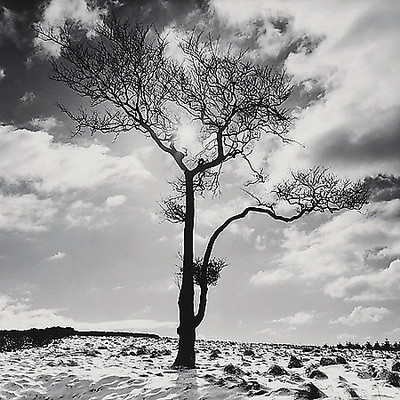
(202, 305)
(186, 330)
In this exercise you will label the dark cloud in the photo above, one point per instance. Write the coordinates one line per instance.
(22, 5)
(16, 47)
(377, 145)
(27, 73)
(158, 12)
(19, 188)
(384, 187)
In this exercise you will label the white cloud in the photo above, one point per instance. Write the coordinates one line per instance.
(28, 97)
(57, 167)
(115, 201)
(35, 170)
(212, 215)
(58, 256)
(299, 318)
(15, 314)
(59, 11)
(26, 213)
(354, 127)
(83, 214)
(18, 315)
(347, 245)
(241, 229)
(273, 277)
(45, 124)
(268, 331)
(261, 241)
(2, 73)
(369, 286)
(362, 315)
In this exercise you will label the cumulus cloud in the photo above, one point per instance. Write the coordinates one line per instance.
(347, 245)
(26, 213)
(35, 170)
(241, 229)
(57, 167)
(278, 276)
(59, 11)
(58, 256)
(371, 286)
(216, 213)
(45, 124)
(353, 127)
(84, 214)
(115, 201)
(362, 315)
(15, 314)
(299, 318)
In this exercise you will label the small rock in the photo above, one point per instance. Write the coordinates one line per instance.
(353, 394)
(340, 360)
(372, 370)
(250, 385)
(317, 374)
(396, 367)
(327, 361)
(249, 353)
(392, 378)
(296, 378)
(294, 362)
(364, 375)
(70, 363)
(92, 353)
(214, 354)
(276, 370)
(141, 351)
(283, 392)
(232, 370)
(309, 391)
(383, 373)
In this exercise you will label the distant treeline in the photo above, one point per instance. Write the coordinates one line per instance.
(16, 340)
(386, 345)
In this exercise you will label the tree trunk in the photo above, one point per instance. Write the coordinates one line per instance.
(202, 305)
(187, 328)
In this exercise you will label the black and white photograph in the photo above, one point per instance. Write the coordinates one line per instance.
(199, 199)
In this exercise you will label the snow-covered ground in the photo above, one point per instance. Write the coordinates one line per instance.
(139, 368)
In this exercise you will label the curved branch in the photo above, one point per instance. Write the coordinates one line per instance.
(210, 245)
(176, 154)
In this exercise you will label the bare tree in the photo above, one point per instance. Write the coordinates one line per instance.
(133, 85)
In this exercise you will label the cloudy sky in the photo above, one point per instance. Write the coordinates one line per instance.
(82, 242)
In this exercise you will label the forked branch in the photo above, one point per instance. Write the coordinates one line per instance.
(314, 190)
